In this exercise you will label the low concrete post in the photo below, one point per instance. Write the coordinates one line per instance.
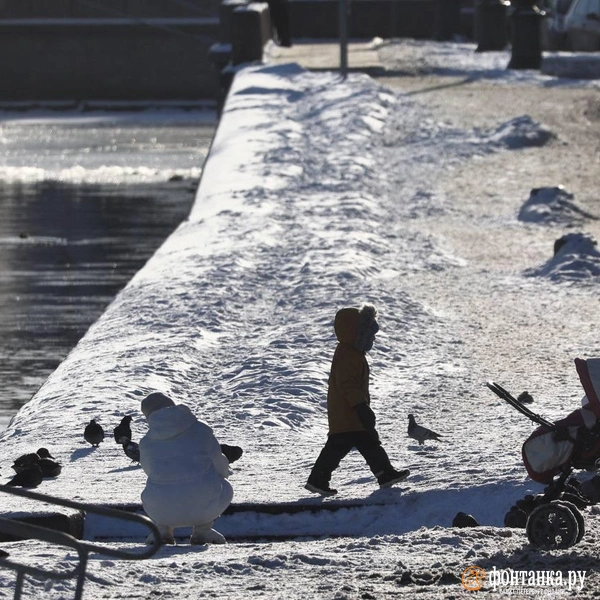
(250, 30)
(226, 9)
(219, 54)
(526, 21)
(491, 24)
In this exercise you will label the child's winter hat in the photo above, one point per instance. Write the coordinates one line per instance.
(354, 326)
(155, 401)
(367, 327)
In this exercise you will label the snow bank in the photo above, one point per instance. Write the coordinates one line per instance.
(576, 258)
(320, 192)
(460, 59)
(552, 206)
(233, 314)
(521, 132)
(583, 65)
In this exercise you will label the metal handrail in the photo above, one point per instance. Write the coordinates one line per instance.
(21, 530)
(83, 548)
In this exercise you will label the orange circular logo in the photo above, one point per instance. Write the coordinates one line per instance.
(473, 578)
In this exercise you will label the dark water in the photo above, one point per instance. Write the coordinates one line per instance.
(65, 251)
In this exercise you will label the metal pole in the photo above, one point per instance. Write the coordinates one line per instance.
(343, 15)
(81, 577)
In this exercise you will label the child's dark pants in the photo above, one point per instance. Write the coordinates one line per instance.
(337, 447)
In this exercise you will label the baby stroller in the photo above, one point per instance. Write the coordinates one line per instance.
(553, 519)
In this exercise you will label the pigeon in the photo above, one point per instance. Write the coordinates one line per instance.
(43, 458)
(232, 453)
(27, 460)
(29, 477)
(525, 398)
(132, 450)
(44, 453)
(93, 433)
(49, 467)
(122, 431)
(419, 433)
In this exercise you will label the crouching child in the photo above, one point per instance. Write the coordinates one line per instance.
(187, 472)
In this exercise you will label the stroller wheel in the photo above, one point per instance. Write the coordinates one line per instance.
(553, 526)
(579, 517)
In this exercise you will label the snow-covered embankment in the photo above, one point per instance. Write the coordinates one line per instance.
(231, 315)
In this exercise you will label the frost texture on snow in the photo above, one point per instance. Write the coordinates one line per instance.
(552, 206)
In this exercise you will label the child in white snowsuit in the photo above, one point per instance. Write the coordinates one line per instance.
(187, 472)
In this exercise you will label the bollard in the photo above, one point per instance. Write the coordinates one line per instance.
(526, 21)
(250, 31)
(491, 25)
(226, 9)
(447, 19)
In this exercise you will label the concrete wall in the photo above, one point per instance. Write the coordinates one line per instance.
(79, 9)
(157, 49)
(367, 18)
(106, 60)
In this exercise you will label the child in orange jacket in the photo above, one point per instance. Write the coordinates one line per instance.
(351, 420)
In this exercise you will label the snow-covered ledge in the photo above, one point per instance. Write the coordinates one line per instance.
(231, 314)
(581, 65)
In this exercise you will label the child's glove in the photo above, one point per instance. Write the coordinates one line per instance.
(366, 416)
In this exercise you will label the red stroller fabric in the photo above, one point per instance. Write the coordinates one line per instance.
(589, 375)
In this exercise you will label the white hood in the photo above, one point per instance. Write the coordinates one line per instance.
(170, 422)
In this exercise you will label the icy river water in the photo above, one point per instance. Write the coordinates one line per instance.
(86, 198)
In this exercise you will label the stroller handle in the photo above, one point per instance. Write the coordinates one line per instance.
(510, 399)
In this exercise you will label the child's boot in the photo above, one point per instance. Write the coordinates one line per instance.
(166, 535)
(319, 487)
(205, 534)
(389, 478)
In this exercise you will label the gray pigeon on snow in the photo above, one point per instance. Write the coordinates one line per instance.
(132, 450)
(29, 477)
(26, 460)
(93, 433)
(420, 433)
(42, 458)
(122, 431)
